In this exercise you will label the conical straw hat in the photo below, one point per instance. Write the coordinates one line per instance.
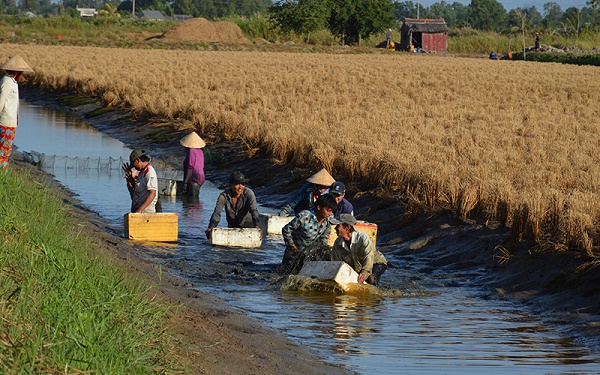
(322, 177)
(192, 140)
(17, 64)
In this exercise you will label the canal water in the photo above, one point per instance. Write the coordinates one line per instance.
(421, 324)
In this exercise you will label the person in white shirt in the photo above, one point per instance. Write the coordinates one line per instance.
(9, 106)
(142, 183)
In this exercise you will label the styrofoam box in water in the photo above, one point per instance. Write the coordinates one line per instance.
(273, 223)
(169, 187)
(236, 237)
(338, 271)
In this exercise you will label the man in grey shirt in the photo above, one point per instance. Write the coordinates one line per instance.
(240, 205)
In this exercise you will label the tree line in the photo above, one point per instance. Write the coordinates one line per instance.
(349, 20)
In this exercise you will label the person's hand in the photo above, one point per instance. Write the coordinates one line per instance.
(361, 278)
(184, 188)
(295, 250)
(208, 231)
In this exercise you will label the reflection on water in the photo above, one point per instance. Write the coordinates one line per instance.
(417, 325)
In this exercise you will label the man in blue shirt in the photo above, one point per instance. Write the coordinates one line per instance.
(338, 190)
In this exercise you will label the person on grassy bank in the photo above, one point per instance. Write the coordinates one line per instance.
(306, 236)
(241, 209)
(193, 165)
(9, 105)
(357, 249)
(142, 183)
(305, 199)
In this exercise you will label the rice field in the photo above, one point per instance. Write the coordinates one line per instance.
(516, 141)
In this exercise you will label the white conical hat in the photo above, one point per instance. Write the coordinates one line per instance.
(17, 64)
(192, 140)
(322, 177)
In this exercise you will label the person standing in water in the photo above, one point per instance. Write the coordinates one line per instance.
(142, 183)
(193, 165)
(9, 106)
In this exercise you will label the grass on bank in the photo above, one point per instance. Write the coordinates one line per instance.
(63, 308)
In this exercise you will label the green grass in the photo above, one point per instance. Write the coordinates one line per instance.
(63, 307)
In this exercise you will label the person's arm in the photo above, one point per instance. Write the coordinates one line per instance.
(216, 215)
(253, 207)
(287, 230)
(5, 89)
(289, 208)
(149, 199)
(129, 178)
(366, 256)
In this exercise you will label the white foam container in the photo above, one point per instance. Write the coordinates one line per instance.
(236, 237)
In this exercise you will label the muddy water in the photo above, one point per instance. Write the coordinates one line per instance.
(422, 324)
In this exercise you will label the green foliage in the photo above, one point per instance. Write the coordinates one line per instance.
(301, 17)
(354, 20)
(486, 14)
(565, 58)
(258, 26)
(65, 309)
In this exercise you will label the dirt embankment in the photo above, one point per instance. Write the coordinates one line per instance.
(562, 287)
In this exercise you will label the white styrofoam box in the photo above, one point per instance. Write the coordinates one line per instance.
(338, 271)
(236, 237)
(273, 223)
(169, 187)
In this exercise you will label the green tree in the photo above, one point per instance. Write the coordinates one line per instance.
(300, 16)
(354, 20)
(445, 11)
(552, 14)
(405, 9)
(486, 14)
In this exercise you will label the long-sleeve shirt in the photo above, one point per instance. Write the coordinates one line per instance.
(360, 255)
(9, 102)
(305, 230)
(193, 166)
(303, 200)
(244, 214)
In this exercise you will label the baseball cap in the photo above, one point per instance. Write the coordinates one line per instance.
(337, 188)
(345, 219)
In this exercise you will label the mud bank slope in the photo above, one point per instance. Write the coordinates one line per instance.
(562, 287)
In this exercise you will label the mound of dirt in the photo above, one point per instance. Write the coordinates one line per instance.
(202, 30)
(229, 32)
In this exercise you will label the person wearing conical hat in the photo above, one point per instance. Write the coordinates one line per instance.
(193, 165)
(9, 105)
(305, 199)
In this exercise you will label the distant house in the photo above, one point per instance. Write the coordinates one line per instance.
(154, 15)
(181, 17)
(426, 33)
(87, 12)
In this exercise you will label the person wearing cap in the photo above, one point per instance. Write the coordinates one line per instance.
(338, 190)
(357, 249)
(240, 205)
(316, 185)
(142, 182)
(307, 235)
(9, 105)
(193, 164)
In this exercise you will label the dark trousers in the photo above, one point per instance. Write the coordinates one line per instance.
(378, 270)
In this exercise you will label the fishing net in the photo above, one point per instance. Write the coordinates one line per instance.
(108, 165)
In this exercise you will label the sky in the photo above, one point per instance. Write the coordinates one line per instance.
(512, 4)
